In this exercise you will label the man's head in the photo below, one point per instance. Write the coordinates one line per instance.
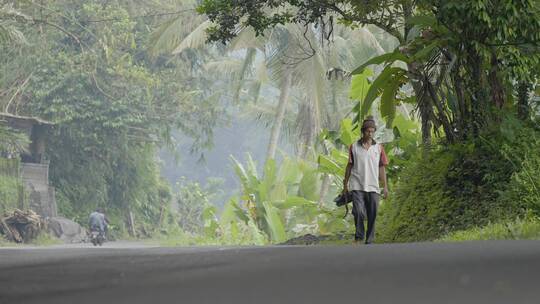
(100, 210)
(368, 128)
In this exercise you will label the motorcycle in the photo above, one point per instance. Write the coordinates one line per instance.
(97, 237)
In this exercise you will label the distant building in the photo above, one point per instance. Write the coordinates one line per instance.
(34, 166)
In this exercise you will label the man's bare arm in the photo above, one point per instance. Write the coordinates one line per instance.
(347, 176)
(383, 180)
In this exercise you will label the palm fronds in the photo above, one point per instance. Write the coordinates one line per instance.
(12, 141)
(9, 18)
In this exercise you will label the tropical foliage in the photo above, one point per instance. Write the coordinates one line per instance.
(452, 84)
(86, 69)
(460, 65)
(283, 203)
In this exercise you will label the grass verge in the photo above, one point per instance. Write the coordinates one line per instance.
(527, 228)
(45, 239)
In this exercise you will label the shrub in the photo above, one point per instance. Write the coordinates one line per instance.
(9, 193)
(418, 206)
(524, 186)
(491, 179)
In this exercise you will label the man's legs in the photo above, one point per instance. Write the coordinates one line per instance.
(359, 211)
(371, 204)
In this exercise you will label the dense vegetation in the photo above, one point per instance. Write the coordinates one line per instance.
(469, 64)
(453, 84)
(84, 66)
(465, 185)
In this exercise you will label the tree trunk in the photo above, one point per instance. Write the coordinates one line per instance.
(424, 107)
(325, 186)
(161, 211)
(447, 127)
(479, 93)
(463, 110)
(280, 115)
(497, 89)
(248, 61)
(426, 127)
(131, 223)
(309, 130)
(523, 100)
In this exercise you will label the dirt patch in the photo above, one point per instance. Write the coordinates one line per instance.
(310, 239)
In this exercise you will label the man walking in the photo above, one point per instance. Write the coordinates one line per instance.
(367, 162)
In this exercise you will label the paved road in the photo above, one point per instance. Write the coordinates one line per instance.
(479, 272)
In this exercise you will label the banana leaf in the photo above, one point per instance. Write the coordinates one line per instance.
(384, 58)
(275, 224)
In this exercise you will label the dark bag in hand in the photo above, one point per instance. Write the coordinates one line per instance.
(344, 199)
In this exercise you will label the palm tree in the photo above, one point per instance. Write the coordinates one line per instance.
(297, 63)
(326, 102)
(9, 21)
(296, 60)
(11, 141)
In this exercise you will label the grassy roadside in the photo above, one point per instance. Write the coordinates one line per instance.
(4, 243)
(43, 239)
(527, 228)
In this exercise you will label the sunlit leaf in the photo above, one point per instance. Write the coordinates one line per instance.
(275, 224)
(385, 58)
(347, 134)
(377, 87)
(360, 85)
(388, 100)
(294, 201)
(309, 185)
(330, 166)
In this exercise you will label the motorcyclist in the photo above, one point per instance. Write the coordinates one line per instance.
(98, 221)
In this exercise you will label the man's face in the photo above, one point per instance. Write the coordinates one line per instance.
(368, 133)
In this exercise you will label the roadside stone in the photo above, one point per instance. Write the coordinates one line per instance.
(67, 230)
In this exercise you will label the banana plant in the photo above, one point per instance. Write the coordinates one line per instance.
(258, 196)
(395, 73)
(211, 224)
(282, 199)
(276, 205)
(425, 64)
(386, 85)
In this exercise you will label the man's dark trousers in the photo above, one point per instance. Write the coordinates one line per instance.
(364, 204)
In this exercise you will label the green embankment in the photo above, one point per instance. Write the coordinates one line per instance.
(494, 179)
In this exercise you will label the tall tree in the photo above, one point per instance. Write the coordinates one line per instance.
(482, 41)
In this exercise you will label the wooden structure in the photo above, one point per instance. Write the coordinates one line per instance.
(35, 129)
(34, 167)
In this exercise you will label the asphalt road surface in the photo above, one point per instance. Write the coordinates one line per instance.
(474, 272)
